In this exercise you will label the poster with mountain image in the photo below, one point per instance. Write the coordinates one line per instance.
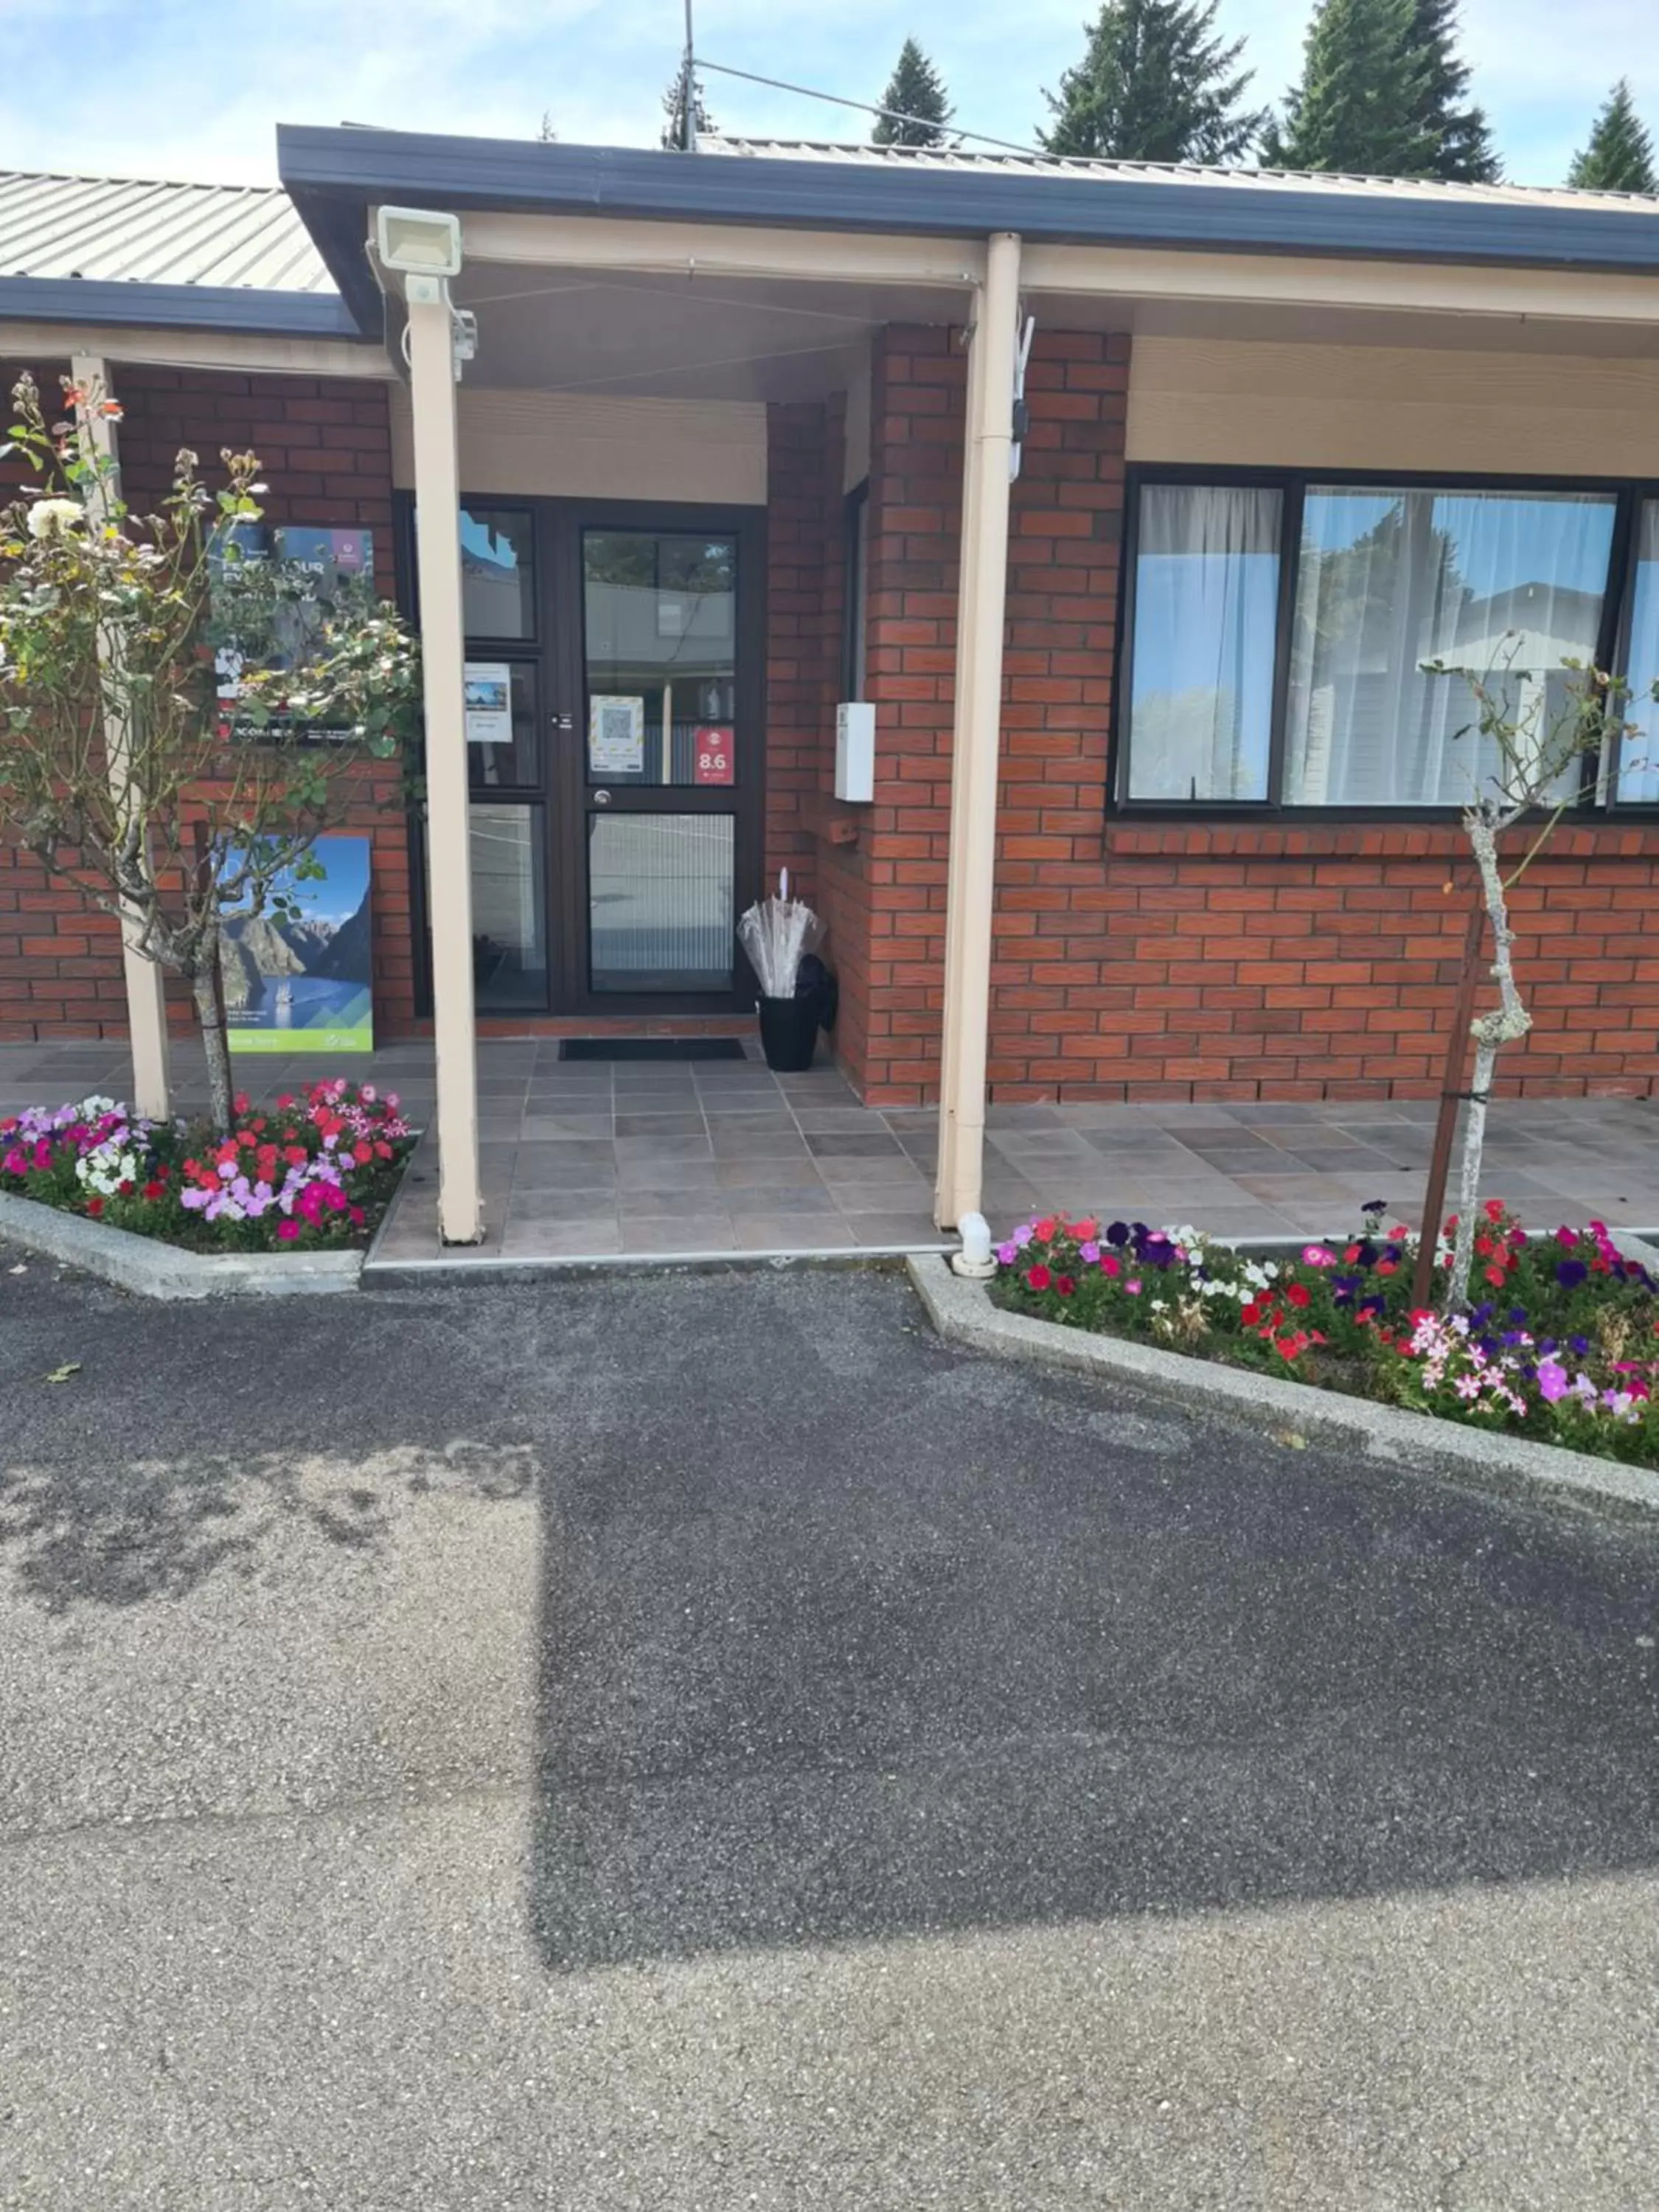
(300, 978)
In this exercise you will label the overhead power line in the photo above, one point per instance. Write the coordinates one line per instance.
(865, 107)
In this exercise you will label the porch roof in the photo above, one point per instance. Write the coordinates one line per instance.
(334, 177)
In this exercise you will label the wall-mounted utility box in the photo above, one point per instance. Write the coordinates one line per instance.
(855, 751)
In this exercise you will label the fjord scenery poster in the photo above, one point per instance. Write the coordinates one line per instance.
(300, 978)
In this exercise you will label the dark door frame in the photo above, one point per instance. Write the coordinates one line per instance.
(558, 648)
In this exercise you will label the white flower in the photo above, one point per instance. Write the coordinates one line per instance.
(55, 518)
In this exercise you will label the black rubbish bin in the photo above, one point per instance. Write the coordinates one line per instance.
(789, 1032)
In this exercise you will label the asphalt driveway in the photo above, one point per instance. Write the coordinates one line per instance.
(692, 1742)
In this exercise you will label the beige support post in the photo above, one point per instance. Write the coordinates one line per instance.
(438, 560)
(147, 1018)
(978, 724)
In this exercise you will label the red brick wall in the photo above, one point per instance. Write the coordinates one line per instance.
(324, 447)
(1135, 959)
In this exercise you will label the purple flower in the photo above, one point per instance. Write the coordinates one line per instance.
(1008, 1253)
(1552, 1380)
(1089, 1252)
(1375, 1206)
(1570, 1273)
(1581, 1346)
(1117, 1232)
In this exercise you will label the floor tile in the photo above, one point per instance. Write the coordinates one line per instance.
(657, 1126)
(757, 1139)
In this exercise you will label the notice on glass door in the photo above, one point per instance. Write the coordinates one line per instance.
(711, 759)
(616, 736)
(488, 703)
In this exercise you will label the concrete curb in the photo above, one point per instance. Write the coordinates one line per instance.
(152, 1269)
(964, 1313)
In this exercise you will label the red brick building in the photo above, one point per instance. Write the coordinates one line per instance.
(1277, 441)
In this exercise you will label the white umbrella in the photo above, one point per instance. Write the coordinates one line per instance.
(777, 934)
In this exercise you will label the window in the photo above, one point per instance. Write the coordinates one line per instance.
(1277, 626)
(853, 668)
(1509, 583)
(1639, 754)
(1206, 590)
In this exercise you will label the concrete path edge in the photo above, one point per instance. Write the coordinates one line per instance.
(964, 1313)
(151, 1269)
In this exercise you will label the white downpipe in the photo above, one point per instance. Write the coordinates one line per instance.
(449, 865)
(977, 733)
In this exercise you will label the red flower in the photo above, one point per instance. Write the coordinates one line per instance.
(1485, 1247)
(94, 1207)
(1043, 1231)
(296, 1155)
(1495, 1276)
(285, 1101)
(362, 1154)
(241, 1102)
(1037, 1277)
(1352, 1254)
(1494, 1209)
(1297, 1294)
(155, 1190)
(1388, 1266)
(124, 1189)
(1251, 1314)
(1065, 1285)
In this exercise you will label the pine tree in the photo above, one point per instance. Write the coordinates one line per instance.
(914, 90)
(1154, 85)
(1467, 155)
(1620, 156)
(674, 133)
(1360, 106)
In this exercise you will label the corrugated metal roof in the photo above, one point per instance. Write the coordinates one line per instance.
(140, 231)
(1287, 180)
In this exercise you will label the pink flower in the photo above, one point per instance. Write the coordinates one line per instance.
(1133, 1287)
(1315, 1256)
(287, 1231)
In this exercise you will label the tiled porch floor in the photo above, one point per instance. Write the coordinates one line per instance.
(663, 1159)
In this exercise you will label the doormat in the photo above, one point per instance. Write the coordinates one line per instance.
(651, 1049)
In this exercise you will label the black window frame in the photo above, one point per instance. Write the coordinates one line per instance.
(1589, 805)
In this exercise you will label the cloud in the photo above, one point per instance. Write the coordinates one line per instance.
(193, 87)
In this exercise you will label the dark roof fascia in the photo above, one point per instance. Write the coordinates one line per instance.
(241, 308)
(334, 175)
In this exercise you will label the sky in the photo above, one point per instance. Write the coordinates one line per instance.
(192, 89)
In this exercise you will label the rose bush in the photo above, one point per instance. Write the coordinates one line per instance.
(313, 1169)
(1564, 1343)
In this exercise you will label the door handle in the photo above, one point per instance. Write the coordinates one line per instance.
(601, 798)
(562, 722)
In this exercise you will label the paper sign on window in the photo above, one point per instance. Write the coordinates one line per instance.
(714, 757)
(615, 735)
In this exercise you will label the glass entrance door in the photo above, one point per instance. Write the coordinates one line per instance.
(613, 688)
(668, 775)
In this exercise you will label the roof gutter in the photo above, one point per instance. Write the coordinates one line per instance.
(119, 304)
(334, 176)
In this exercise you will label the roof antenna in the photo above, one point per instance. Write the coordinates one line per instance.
(689, 125)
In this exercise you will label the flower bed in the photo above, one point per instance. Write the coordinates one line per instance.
(310, 1172)
(1564, 1345)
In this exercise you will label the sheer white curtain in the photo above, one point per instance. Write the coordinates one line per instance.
(1506, 583)
(1638, 755)
(1206, 587)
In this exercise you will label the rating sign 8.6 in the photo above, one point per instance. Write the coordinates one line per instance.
(713, 753)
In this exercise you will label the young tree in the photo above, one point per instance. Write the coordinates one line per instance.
(1155, 84)
(1536, 727)
(679, 133)
(1360, 106)
(120, 770)
(1465, 153)
(1620, 156)
(915, 92)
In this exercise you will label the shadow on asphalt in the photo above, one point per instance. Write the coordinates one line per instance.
(860, 1639)
(843, 1635)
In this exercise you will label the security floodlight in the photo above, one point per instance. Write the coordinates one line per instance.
(416, 242)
